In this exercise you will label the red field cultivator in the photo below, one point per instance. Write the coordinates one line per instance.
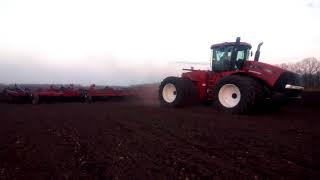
(58, 94)
(17, 94)
(94, 93)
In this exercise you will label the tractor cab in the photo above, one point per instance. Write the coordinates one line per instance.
(229, 56)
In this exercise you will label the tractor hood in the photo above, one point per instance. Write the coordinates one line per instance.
(262, 68)
(271, 74)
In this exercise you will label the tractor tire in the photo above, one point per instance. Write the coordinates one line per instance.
(208, 103)
(176, 92)
(238, 94)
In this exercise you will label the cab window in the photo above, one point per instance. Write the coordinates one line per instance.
(221, 58)
(221, 54)
(229, 58)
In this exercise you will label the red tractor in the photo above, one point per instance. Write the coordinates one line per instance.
(234, 84)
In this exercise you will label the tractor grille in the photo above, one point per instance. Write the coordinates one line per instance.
(288, 78)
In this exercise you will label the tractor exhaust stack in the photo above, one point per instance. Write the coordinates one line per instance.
(257, 54)
(238, 40)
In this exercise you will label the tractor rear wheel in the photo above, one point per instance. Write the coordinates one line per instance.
(237, 94)
(176, 92)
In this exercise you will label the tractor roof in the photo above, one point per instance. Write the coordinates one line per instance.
(230, 44)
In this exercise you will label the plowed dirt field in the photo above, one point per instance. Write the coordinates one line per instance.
(138, 139)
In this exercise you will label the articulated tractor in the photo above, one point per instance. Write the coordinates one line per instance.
(234, 83)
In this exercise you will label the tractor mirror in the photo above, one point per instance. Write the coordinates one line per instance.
(251, 54)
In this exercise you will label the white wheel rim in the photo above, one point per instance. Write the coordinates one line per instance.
(169, 93)
(229, 95)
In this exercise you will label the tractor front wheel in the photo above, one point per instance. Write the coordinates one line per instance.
(237, 94)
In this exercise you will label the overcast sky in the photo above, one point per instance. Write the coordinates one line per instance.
(122, 42)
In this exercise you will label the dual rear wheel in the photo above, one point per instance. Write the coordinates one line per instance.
(176, 92)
